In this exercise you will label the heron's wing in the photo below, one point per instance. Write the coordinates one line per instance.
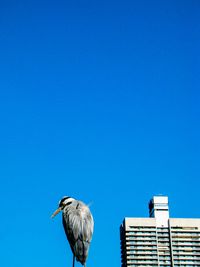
(78, 224)
(71, 226)
(87, 225)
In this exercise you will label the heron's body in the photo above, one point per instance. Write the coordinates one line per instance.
(78, 225)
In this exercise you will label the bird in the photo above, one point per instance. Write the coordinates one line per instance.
(78, 225)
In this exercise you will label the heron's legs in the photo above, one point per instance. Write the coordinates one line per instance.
(73, 261)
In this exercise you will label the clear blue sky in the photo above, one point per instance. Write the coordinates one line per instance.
(99, 100)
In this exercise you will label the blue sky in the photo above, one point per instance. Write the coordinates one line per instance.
(99, 100)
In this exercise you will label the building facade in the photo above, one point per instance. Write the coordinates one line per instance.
(160, 240)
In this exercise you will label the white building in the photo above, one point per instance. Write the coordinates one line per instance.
(160, 240)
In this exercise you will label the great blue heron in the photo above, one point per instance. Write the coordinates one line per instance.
(78, 225)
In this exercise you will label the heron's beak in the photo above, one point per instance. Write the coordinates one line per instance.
(56, 212)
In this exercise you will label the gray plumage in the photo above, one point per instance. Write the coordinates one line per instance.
(78, 225)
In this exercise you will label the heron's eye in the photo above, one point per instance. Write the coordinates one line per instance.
(68, 203)
(62, 201)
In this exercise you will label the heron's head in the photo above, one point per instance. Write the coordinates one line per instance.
(65, 201)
